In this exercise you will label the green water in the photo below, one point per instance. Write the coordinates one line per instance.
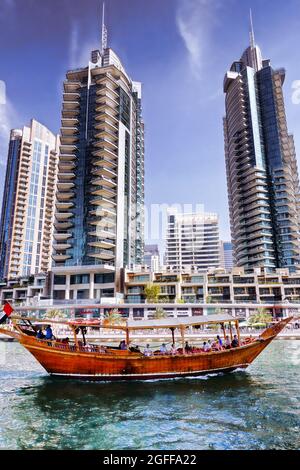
(254, 409)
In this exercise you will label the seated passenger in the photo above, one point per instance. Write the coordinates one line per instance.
(219, 341)
(209, 345)
(227, 343)
(49, 333)
(187, 347)
(163, 349)
(123, 345)
(40, 334)
(205, 347)
(148, 351)
(173, 349)
(235, 342)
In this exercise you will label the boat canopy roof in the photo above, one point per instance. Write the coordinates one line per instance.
(179, 322)
(131, 324)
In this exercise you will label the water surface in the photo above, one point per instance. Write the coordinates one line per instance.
(254, 409)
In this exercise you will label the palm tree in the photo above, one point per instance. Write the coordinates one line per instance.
(55, 314)
(113, 317)
(159, 314)
(261, 317)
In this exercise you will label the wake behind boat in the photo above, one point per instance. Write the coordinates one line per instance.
(76, 358)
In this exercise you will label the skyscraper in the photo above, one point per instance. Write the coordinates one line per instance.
(28, 202)
(262, 175)
(226, 255)
(152, 257)
(193, 240)
(99, 219)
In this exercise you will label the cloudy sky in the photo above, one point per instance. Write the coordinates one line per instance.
(178, 49)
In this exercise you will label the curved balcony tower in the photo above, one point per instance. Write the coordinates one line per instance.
(261, 167)
(100, 190)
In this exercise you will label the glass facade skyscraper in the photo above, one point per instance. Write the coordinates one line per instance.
(100, 199)
(28, 202)
(262, 174)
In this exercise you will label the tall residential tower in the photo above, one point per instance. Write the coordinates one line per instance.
(262, 175)
(100, 199)
(28, 202)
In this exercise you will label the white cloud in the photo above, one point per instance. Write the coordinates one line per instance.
(79, 52)
(195, 20)
(7, 118)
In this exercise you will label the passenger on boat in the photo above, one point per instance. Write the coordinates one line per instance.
(40, 334)
(205, 347)
(123, 345)
(235, 342)
(163, 349)
(187, 347)
(148, 351)
(227, 343)
(49, 333)
(220, 342)
(173, 349)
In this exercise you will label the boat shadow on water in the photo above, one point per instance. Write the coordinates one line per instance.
(49, 389)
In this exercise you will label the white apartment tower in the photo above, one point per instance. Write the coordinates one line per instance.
(28, 202)
(193, 240)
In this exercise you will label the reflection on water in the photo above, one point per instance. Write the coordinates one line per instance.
(253, 409)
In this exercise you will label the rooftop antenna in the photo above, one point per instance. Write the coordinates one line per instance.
(252, 39)
(104, 31)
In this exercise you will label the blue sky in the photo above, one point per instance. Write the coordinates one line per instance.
(178, 49)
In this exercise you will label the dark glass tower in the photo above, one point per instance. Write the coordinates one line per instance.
(262, 174)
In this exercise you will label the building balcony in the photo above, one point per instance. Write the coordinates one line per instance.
(71, 86)
(71, 96)
(105, 114)
(63, 225)
(102, 180)
(104, 132)
(65, 177)
(70, 123)
(106, 142)
(65, 195)
(71, 107)
(104, 171)
(66, 166)
(65, 185)
(102, 243)
(107, 79)
(103, 233)
(107, 123)
(103, 191)
(62, 216)
(64, 205)
(100, 253)
(60, 258)
(103, 202)
(60, 236)
(61, 246)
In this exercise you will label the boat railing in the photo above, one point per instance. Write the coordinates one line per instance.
(92, 348)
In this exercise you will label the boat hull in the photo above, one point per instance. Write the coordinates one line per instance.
(130, 366)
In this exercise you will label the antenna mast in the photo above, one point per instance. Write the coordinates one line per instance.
(252, 39)
(103, 32)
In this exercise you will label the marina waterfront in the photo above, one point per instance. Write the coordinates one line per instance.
(254, 409)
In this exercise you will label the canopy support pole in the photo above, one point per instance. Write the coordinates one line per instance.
(127, 337)
(182, 338)
(224, 332)
(230, 327)
(237, 326)
(75, 337)
(173, 335)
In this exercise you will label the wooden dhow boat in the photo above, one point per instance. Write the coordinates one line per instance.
(76, 358)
